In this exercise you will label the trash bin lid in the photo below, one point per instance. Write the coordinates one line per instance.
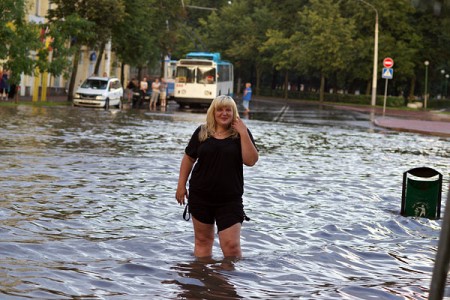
(423, 172)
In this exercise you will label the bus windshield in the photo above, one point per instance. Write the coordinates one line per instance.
(206, 75)
(186, 74)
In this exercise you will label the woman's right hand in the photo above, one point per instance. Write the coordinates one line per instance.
(181, 195)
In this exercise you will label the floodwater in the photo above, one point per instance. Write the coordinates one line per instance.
(88, 208)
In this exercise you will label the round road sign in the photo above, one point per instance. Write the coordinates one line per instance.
(388, 62)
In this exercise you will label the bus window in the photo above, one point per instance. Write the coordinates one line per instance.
(206, 75)
(185, 74)
(171, 70)
(224, 72)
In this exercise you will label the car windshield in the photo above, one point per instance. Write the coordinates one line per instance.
(97, 84)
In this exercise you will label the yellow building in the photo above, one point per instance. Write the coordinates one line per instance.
(58, 85)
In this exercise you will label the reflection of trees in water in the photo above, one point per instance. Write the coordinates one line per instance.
(205, 279)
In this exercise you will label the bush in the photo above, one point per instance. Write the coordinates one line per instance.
(391, 101)
(438, 104)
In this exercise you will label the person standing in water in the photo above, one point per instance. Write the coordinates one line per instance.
(247, 96)
(215, 155)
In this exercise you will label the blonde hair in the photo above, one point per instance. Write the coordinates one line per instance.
(208, 129)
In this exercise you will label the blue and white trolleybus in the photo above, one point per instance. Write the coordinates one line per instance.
(200, 77)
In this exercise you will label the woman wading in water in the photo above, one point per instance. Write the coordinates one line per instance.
(215, 155)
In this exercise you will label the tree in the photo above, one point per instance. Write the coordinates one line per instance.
(90, 25)
(429, 20)
(276, 50)
(323, 40)
(70, 32)
(104, 14)
(133, 41)
(248, 22)
(18, 38)
(140, 45)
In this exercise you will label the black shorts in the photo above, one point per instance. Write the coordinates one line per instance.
(225, 215)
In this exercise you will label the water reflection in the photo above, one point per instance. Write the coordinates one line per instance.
(205, 279)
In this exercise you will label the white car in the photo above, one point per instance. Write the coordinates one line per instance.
(99, 92)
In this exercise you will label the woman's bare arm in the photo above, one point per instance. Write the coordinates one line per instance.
(185, 169)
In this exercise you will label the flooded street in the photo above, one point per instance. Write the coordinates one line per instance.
(88, 208)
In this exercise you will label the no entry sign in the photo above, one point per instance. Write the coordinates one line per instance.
(388, 62)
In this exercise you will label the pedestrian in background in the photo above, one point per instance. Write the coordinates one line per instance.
(247, 96)
(163, 92)
(4, 85)
(155, 93)
(216, 154)
(143, 87)
(131, 87)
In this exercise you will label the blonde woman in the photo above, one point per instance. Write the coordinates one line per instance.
(215, 155)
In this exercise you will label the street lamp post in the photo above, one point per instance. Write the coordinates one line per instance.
(443, 82)
(426, 84)
(375, 57)
(446, 86)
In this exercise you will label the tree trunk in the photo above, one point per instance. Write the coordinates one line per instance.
(286, 84)
(122, 73)
(140, 73)
(162, 69)
(258, 79)
(99, 59)
(239, 82)
(412, 88)
(369, 87)
(274, 78)
(322, 88)
(73, 77)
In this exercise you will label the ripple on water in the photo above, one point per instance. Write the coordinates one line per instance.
(88, 210)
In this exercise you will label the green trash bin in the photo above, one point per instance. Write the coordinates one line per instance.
(421, 194)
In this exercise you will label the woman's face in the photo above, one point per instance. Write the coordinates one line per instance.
(223, 116)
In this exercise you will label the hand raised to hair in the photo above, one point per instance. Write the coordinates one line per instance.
(239, 126)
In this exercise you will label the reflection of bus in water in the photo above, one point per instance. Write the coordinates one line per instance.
(169, 75)
(200, 77)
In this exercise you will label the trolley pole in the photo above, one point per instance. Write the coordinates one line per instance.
(442, 260)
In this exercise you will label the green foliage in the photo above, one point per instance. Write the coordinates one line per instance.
(306, 39)
(323, 39)
(391, 101)
(103, 15)
(238, 31)
(18, 38)
(133, 41)
(68, 34)
(277, 50)
(147, 32)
